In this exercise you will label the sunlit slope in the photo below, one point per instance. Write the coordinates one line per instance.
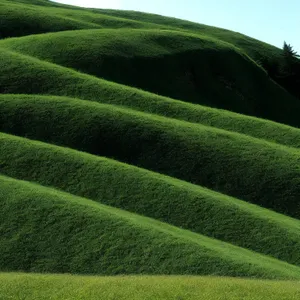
(117, 156)
(19, 19)
(238, 165)
(55, 232)
(65, 287)
(189, 67)
(254, 48)
(153, 195)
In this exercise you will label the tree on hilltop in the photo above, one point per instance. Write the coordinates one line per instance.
(288, 51)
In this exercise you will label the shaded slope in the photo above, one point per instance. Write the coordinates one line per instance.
(64, 287)
(24, 74)
(189, 67)
(151, 194)
(61, 233)
(247, 168)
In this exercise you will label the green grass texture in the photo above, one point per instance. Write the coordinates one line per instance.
(154, 195)
(63, 287)
(136, 144)
(251, 169)
(209, 72)
(67, 234)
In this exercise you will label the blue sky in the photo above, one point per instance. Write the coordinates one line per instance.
(272, 21)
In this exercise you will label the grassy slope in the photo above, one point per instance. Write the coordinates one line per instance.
(254, 48)
(24, 74)
(191, 67)
(250, 169)
(176, 144)
(58, 232)
(18, 19)
(63, 287)
(153, 195)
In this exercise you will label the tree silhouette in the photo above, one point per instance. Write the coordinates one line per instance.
(288, 51)
(290, 63)
(284, 69)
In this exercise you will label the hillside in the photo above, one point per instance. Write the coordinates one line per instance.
(164, 198)
(135, 144)
(185, 66)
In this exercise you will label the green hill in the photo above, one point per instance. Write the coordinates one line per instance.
(135, 144)
(111, 241)
(190, 67)
(248, 168)
(153, 195)
(34, 76)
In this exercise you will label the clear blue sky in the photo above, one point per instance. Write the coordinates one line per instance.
(272, 21)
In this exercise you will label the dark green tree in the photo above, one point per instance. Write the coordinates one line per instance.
(288, 51)
(290, 60)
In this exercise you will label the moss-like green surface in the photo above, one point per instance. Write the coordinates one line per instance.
(132, 143)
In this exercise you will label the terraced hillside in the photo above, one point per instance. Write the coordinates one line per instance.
(137, 144)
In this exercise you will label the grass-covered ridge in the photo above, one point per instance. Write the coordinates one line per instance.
(28, 75)
(154, 195)
(117, 156)
(195, 68)
(111, 241)
(238, 165)
(19, 19)
(63, 287)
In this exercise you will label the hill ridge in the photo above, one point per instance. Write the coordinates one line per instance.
(263, 267)
(194, 208)
(117, 155)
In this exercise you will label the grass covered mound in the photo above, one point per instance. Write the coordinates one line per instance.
(180, 65)
(154, 195)
(244, 167)
(44, 230)
(102, 107)
(63, 287)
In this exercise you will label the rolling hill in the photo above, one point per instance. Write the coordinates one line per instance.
(135, 144)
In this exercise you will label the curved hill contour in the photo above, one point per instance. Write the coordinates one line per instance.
(132, 143)
(190, 67)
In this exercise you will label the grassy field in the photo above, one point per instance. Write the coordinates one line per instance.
(136, 144)
(57, 287)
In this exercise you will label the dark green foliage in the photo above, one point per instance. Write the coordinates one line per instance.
(290, 61)
(288, 51)
(285, 69)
